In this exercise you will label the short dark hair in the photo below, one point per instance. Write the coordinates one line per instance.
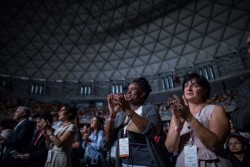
(244, 141)
(46, 115)
(201, 80)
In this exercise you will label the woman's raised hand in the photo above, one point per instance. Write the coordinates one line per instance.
(114, 108)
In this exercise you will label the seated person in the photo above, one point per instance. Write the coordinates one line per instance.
(238, 150)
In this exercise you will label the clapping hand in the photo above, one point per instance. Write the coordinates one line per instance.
(180, 109)
(114, 108)
(46, 126)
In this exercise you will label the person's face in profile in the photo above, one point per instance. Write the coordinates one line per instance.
(18, 114)
(38, 123)
(84, 129)
(63, 114)
(134, 93)
(93, 123)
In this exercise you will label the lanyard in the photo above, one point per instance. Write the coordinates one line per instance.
(38, 136)
(126, 122)
(190, 141)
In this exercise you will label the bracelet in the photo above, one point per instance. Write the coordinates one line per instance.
(178, 129)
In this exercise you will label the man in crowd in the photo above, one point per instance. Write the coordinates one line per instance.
(38, 149)
(21, 139)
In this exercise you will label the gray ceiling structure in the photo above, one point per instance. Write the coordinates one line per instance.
(100, 40)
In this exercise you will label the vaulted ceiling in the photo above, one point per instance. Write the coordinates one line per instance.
(94, 40)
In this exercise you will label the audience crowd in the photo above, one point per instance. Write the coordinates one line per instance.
(8, 104)
(86, 147)
(129, 132)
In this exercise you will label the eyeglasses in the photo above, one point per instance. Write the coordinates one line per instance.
(236, 143)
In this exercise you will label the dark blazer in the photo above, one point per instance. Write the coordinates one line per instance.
(20, 141)
(38, 152)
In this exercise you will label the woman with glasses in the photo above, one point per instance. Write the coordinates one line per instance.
(238, 149)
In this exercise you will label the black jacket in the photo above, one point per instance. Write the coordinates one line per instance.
(20, 141)
(38, 151)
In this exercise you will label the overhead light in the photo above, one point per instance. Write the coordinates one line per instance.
(4, 75)
(59, 80)
(23, 78)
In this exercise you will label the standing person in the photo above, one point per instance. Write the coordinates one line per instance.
(238, 149)
(60, 142)
(20, 140)
(197, 130)
(240, 116)
(133, 124)
(56, 123)
(94, 154)
(36, 157)
(84, 132)
(77, 152)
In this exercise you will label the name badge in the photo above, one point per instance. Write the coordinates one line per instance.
(49, 157)
(190, 156)
(123, 147)
(113, 152)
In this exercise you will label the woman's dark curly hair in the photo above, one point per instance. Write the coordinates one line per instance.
(202, 81)
(144, 86)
